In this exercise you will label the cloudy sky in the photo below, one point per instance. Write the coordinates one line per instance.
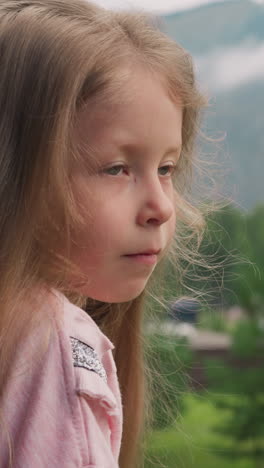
(159, 6)
(225, 69)
(220, 69)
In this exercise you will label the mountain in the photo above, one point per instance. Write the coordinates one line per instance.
(217, 24)
(227, 42)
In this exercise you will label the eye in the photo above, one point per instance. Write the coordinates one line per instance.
(115, 170)
(167, 170)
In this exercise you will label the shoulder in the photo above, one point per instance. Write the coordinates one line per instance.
(79, 324)
(88, 352)
(55, 393)
(78, 352)
(38, 404)
(85, 351)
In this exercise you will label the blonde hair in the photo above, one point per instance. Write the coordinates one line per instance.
(57, 56)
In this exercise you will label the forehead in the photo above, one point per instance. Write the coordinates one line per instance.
(143, 112)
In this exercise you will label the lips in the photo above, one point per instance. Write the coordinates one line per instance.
(147, 257)
(145, 252)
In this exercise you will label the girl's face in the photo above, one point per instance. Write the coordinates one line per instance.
(127, 200)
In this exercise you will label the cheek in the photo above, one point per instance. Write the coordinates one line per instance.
(101, 231)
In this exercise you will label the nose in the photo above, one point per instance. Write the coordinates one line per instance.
(156, 205)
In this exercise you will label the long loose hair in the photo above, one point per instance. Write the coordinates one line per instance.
(57, 56)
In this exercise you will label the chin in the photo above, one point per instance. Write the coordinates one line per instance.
(124, 298)
(117, 298)
(123, 294)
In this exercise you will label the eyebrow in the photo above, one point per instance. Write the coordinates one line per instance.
(173, 150)
(132, 147)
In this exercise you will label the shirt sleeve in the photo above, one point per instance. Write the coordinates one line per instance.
(39, 410)
(99, 418)
(57, 412)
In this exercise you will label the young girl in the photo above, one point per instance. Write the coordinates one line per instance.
(98, 120)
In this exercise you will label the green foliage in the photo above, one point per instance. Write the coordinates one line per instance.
(241, 392)
(210, 319)
(234, 242)
(169, 361)
(191, 442)
(248, 340)
(223, 247)
(233, 249)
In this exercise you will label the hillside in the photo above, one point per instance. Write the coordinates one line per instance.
(227, 42)
(216, 25)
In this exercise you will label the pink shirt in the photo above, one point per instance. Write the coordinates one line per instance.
(62, 413)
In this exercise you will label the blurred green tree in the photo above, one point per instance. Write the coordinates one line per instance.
(234, 244)
(239, 388)
(168, 362)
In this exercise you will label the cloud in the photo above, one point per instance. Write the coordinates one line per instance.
(156, 6)
(228, 68)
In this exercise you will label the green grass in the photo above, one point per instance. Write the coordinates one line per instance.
(189, 444)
